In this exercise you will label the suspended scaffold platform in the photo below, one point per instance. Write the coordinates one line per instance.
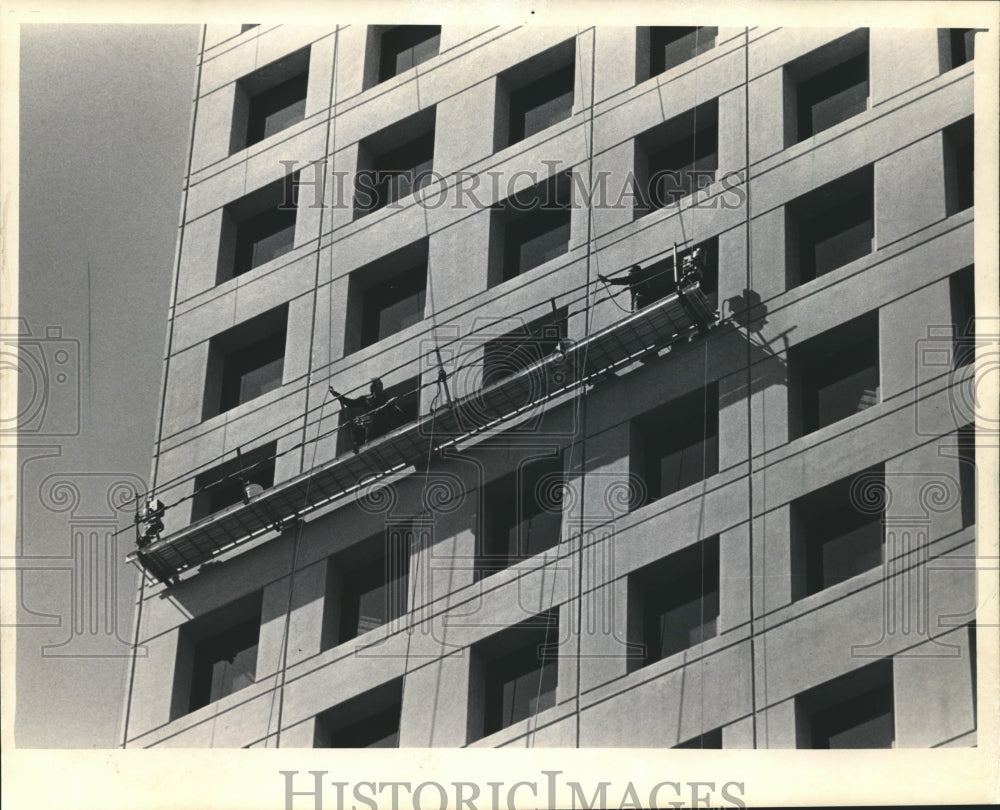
(677, 317)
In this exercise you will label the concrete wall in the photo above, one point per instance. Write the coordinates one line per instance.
(746, 689)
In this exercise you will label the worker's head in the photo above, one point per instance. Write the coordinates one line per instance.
(376, 386)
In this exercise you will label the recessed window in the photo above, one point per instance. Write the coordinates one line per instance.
(673, 603)
(959, 166)
(245, 362)
(216, 655)
(514, 674)
(530, 228)
(258, 228)
(394, 163)
(827, 86)
(270, 100)
(661, 48)
(837, 532)
(223, 486)
(852, 711)
(522, 514)
(386, 296)
(404, 408)
(829, 227)
(833, 375)
(956, 46)
(709, 740)
(370, 720)
(519, 348)
(966, 440)
(535, 95)
(367, 584)
(677, 158)
(402, 47)
(676, 445)
(962, 289)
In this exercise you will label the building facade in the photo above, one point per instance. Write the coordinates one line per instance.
(756, 530)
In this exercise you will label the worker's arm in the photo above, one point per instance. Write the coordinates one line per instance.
(621, 282)
(347, 402)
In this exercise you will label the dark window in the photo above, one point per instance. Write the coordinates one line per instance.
(959, 165)
(370, 720)
(669, 46)
(677, 158)
(394, 163)
(674, 602)
(518, 668)
(677, 444)
(247, 26)
(709, 740)
(216, 655)
(834, 375)
(386, 296)
(541, 104)
(404, 409)
(829, 84)
(830, 226)
(221, 487)
(957, 46)
(530, 228)
(371, 580)
(852, 711)
(269, 100)
(966, 436)
(406, 46)
(258, 228)
(963, 315)
(522, 514)
(535, 95)
(245, 362)
(837, 532)
(516, 350)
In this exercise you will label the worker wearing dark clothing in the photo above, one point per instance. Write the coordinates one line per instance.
(643, 284)
(379, 413)
(151, 516)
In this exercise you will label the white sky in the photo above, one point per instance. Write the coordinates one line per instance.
(105, 112)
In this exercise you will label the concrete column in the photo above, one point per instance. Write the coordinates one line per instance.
(270, 647)
(301, 735)
(738, 735)
(436, 703)
(933, 693)
(614, 72)
(907, 357)
(182, 406)
(199, 261)
(320, 75)
(306, 624)
(909, 190)
(732, 133)
(153, 688)
(767, 128)
(351, 60)
(213, 126)
(464, 128)
(342, 169)
(776, 726)
(734, 578)
(772, 549)
(768, 252)
(901, 58)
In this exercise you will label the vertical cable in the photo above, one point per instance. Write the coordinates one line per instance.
(166, 372)
(749, 281)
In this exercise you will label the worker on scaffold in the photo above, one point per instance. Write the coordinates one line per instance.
(151, 518)
(648, 286)
(379, 413)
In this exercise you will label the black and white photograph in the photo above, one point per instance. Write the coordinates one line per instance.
(597, 405)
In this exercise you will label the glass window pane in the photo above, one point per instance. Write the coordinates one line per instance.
(260, 380)
(273, 245)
